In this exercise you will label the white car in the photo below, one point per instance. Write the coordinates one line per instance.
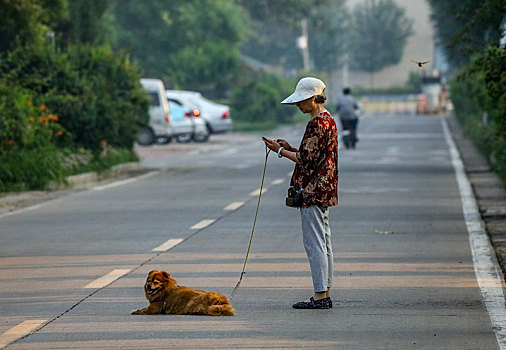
(159, 127)
(187, 123)
(216, 116)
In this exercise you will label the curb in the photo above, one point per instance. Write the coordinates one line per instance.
(489, 191)
(86, 178)
(10, 202)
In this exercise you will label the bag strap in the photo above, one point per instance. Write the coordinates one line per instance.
(316, 171)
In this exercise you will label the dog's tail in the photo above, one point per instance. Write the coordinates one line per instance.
(221, 310)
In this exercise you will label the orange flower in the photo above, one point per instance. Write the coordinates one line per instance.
(103, 143)
(32, 118)
(59, 133)
(53, 117)
(11, 142)
(43, 119)
(43, 107)
(29, 102)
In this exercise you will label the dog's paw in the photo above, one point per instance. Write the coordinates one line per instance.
(138, 312)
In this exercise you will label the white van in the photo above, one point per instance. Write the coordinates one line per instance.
(159, 127)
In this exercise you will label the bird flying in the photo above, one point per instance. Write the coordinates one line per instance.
(420, 63)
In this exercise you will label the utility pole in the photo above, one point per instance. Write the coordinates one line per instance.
(302, 43)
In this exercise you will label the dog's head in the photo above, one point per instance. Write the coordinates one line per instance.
(157, 284)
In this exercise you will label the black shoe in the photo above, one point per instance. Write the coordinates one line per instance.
(313, 304)
(330, 302)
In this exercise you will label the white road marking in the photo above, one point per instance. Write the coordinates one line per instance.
(277, 181)
(107, 279)
(19, 331)
(202, 224)
(171, 243)
(257, 192)
(485, 264)
(234, 206)
(19, 211)
(124, 182)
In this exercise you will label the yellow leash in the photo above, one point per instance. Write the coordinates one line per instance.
(267, 151)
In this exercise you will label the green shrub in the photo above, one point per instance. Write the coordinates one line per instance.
(31, 169)
(84, 161)
(95, 93)
(479, 97)
(257, 101)
(24, 124)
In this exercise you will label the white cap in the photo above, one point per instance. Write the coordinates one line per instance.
(306, 88)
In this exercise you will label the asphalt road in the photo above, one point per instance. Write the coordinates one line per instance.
(404, 275)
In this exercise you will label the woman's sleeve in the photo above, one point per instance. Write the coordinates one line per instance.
(313, 145)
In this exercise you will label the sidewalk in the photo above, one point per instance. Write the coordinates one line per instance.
(489, 191)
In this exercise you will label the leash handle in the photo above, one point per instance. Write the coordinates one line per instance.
(267, 151)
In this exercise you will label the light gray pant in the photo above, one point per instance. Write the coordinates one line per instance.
(316, 238)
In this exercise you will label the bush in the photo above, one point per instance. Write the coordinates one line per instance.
(95, 93)
(66, 112)
(257, 101)
(24, 124)
(31, 169)
(479, 97)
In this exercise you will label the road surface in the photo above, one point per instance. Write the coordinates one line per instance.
(72, 269)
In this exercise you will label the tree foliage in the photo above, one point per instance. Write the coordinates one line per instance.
(87, 22)
(287, 12)
(27, 21)
(467, 26)
(471, 31)
(190, 44)
(273, 40)
(380, 32)
(96, 94)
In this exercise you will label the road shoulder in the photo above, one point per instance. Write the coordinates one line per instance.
(11, 202)
(489, 191)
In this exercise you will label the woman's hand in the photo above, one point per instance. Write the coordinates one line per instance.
(271, 144)
(283, 143)
(286, 145)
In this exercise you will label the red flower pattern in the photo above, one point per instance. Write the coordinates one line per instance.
(320, 139)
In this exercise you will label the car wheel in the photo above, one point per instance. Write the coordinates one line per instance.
(164, 140)
(184, 138)
(201, 137)
(145, 137)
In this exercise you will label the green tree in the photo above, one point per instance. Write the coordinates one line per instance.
(272, 40)
(168, 37)
(87, 22)
(380, 30)
(27, 21)
(467, 26)
(328, 35)
(286, 12)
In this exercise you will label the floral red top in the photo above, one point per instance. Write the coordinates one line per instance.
(320, 139)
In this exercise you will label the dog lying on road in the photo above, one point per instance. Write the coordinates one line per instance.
(166, 297)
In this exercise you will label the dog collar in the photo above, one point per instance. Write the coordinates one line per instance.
(164, 305)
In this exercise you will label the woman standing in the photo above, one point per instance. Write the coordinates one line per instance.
(316, 173)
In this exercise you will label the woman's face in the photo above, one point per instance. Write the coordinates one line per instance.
(306, 106)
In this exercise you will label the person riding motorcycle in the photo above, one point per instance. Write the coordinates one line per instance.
(349, 112)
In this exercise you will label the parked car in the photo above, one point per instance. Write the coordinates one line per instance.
(216, 116)
(187, 123)
(159, 127)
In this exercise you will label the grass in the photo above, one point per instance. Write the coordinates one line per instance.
(26, 170)
(250, 126)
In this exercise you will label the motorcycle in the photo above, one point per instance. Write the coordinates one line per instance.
(349, 131)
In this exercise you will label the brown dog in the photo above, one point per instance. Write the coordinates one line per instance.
(166, 297)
